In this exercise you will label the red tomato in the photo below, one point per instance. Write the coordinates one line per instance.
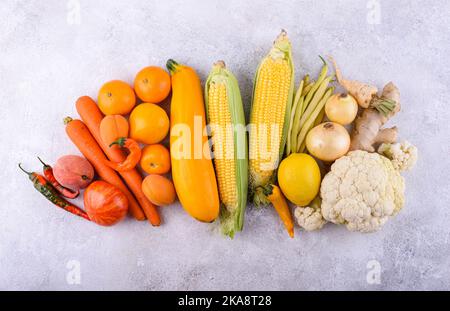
(104, 203)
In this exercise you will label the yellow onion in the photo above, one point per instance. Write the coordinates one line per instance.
(341, 108)
(328, 141)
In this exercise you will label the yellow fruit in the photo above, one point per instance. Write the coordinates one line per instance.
(299, 178)
(149, 123)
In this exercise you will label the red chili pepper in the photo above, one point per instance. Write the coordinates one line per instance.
(133, 157)
(47, 190)
(66, 192)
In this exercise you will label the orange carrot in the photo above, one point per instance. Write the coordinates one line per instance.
(92, 116)
(278, 201)
(82, 138)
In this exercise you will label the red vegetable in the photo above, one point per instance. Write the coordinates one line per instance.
(105, 203)
(73, 172)
(47, 190)
(79, 134)
(133, 157)
(92, 117)
(66, 192)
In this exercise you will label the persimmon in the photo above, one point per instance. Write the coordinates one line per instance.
(116, 97)
(113, 127)
(155, 159)
(152, 84)
(158, 189)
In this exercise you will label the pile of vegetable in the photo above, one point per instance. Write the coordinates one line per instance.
(316, 155)
(361, 188)
(109, 136)
(329, 170)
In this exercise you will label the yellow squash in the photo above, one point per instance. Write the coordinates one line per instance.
(192, 169)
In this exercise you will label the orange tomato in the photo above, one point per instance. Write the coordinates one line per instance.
(104, 203)
(155, 159)
(152, 84)
(149, 123)
(116, 97)
(113, 127)
(159, 190)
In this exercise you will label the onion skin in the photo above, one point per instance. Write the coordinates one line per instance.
(341, 108)
(328, 141)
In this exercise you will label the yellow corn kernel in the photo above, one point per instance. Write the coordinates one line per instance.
(272, 99)
(223, 144)
(229, 141)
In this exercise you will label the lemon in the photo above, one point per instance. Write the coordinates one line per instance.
(299, 178)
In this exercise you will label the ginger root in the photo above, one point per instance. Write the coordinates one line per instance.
(366, 95)
(367, 130)
(363, 93)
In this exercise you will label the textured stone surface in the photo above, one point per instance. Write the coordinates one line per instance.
(47, 61)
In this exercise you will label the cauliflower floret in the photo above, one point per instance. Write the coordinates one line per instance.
(402, 155)
(362, 191)
(310, 217)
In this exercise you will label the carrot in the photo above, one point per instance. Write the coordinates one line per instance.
(276, 197)
(80, 136)
(92, 116)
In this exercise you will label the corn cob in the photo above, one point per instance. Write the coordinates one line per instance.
(226, 118)
(270, 115)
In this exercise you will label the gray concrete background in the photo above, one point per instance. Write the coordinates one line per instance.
(48, 59)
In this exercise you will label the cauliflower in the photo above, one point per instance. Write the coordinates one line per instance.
(362, 191)
(402, 155)
(310, 217)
